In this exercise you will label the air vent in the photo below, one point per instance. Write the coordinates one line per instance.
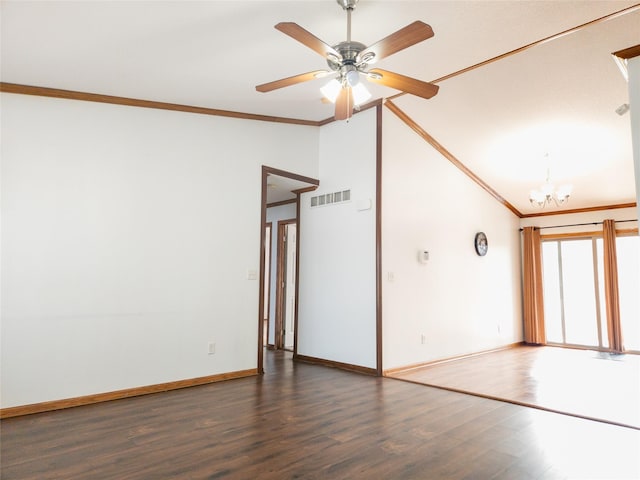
(331, 198)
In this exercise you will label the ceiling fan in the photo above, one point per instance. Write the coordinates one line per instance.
(350, 60)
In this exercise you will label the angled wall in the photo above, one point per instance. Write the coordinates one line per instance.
(458, 302)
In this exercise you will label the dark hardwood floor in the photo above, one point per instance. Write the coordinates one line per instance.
(313, 422)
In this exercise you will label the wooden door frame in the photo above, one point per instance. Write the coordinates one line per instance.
(313, 184)
(267, 287)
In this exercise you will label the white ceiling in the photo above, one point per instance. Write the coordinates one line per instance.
(499, 120)
(281, 188)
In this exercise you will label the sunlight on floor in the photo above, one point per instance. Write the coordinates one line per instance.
(580, 453)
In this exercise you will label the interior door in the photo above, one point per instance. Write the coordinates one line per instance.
(290, 286)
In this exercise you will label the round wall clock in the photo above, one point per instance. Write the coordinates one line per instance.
(481, 244)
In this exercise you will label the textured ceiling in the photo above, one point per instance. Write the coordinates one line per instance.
(557, 98)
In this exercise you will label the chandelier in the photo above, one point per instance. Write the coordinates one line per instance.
(548, 193)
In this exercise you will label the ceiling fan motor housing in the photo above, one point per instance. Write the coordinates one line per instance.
(349, 52)
(347, 4)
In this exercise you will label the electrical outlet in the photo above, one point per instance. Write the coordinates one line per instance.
(498, 329)
(423, 339)
(212, 348)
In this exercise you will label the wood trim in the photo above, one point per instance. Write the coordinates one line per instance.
(295, 306)
(379, 363)
(134, 102)
(628, 53)
(558, 236)
(263, 223)
(393, 371)
(305, 190)
(119, 394)
(622, 232)
(333, 364)
(267, 285)
(293, 176)
(580, 210)
(627, 232)
(449, 156)
(282, 202)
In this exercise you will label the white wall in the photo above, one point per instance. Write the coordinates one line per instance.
(127, 234)
(633, 67)
(337, 297)
(460, 302)
(282, 212)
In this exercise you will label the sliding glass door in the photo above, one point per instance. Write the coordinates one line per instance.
(572, 293)
(574, 299)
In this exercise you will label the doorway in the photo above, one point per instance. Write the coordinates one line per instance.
(280, 188)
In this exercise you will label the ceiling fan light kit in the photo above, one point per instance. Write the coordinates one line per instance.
(350, 60)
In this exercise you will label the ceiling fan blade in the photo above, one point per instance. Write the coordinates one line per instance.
(305, 37)
(413, 33)
(344, 104)
(400, 82)
(285, 82)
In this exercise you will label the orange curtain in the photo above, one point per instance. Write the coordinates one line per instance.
(611, 286)
(533, 299)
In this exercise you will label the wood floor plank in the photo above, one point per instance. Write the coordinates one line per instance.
(312, 422)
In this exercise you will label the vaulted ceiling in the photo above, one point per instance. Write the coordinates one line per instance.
(548, 107)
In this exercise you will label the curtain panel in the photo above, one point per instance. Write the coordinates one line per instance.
(612, 298)
(534, 332)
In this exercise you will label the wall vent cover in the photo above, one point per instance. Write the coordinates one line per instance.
(331, 198)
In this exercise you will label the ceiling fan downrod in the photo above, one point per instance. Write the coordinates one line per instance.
(348, 5)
